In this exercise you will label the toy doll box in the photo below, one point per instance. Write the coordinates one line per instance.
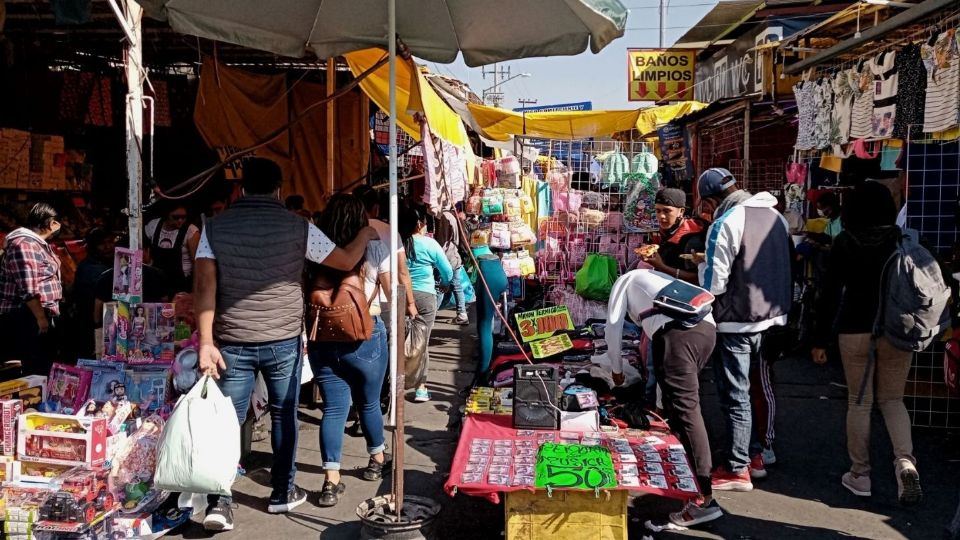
(10, 410)
(62, 440)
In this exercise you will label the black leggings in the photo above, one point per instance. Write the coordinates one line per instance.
(678, 356)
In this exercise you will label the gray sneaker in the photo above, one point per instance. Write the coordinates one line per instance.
(695, 514)
(858, 485)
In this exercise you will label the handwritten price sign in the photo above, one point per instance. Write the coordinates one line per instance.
(574, 466)
(542, 323)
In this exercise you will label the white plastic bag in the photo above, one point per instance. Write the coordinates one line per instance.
(200, 448)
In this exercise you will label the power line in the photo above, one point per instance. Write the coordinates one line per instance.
(771, 19)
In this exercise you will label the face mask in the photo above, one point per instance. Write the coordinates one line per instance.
(821, 213)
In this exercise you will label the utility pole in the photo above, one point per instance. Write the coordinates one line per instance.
(493, 96)
(663, 15)
(523, 110)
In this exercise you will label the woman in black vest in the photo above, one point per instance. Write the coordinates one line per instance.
(172, 242)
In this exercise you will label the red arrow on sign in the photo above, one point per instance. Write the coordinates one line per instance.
(681, 90)
(662, 90)
(643, 89)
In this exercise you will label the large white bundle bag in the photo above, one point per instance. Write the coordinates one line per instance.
(200, 448)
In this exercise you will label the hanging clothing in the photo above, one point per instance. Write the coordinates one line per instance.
(842, 111)
(805, 92)
(823, 97)
(911, 91)
(861, 121)
(528, 185)
(885, 79)
(614, 166)
(645, 163)
(942, 62)
(170, 253)
(640, 212)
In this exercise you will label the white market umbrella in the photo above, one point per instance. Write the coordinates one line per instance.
(484, 31)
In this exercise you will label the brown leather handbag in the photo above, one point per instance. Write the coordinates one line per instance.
(338, 310)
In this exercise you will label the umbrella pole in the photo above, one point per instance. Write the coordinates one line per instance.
(398, 437)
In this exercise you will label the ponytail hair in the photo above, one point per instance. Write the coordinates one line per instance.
(407, 226)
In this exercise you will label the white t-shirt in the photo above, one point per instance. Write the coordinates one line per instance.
(168, 238)
(319, 247)
(383, 229)
(376, 262)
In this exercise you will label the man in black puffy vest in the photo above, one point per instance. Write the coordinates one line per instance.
(249, 305)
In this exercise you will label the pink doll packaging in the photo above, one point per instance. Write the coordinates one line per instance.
(67, 388)
(151, 338)
(128, 275)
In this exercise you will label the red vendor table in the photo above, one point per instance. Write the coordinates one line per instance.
(663, 466)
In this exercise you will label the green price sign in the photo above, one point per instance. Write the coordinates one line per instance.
(574, 466)
(543, 323)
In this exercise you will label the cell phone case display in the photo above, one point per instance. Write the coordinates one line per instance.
(67, 389)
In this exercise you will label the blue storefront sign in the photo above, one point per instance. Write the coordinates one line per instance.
(561, 107)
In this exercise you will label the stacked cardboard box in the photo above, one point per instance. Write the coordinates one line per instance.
(14, 157)
(47, 160)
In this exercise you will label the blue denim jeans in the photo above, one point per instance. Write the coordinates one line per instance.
(456, 291)
(734, 357)
(344, 370)
(279, 362)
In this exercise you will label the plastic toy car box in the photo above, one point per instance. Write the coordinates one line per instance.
(62, 440)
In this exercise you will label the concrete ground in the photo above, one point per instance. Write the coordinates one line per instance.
(802, 498)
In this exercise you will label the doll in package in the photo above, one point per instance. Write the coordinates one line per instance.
(128, 275)
(67, 389)
(151, 336)
(146, 387)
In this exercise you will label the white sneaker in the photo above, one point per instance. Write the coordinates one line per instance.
(858, 485)
(769, 458)
(908, 483)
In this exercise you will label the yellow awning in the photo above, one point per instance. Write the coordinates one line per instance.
(501, 124)
(414, 95)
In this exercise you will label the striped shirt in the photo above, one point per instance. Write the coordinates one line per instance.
(942, 62)
(861, 124)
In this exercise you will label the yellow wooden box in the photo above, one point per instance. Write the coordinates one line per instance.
(573, 515)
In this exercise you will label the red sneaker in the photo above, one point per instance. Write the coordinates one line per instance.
(757, 470)
(724, 480)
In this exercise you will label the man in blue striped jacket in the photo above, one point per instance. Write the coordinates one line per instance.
(747, 267)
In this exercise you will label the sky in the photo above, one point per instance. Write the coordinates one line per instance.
(600, 78)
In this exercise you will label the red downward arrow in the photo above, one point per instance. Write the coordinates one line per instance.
(681, 90)
(662, 90)
(643, 89)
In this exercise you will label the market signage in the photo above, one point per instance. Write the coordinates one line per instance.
(542, 323)
(739, 68)
(660, 74)
(574, 466)
(561, 107)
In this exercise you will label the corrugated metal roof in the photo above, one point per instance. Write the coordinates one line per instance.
(714, 23)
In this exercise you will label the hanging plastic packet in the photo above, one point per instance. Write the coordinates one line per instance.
(492, 202)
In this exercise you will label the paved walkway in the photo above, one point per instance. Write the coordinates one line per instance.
(801, 499)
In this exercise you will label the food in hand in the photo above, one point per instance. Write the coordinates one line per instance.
(647, 250)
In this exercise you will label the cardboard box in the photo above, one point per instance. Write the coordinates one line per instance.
(33, 392)
(14, 157)
(15, 385)
(47, 164)
(10, 410)
(9, 469)
(34, 474)
(62, 440)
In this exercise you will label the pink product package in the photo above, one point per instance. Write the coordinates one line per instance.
(67, 388)
(128, 275)
(10, 409)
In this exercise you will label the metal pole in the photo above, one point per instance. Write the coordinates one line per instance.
(663, 11)
(398, 437)
(331, 124)
(134, 123)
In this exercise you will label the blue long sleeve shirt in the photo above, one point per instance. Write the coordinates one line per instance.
(429, 255)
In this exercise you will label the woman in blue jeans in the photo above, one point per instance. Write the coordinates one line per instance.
(352, 370)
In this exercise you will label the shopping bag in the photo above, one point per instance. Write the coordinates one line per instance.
(200, 448)
(414, 350)
(595, 279)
